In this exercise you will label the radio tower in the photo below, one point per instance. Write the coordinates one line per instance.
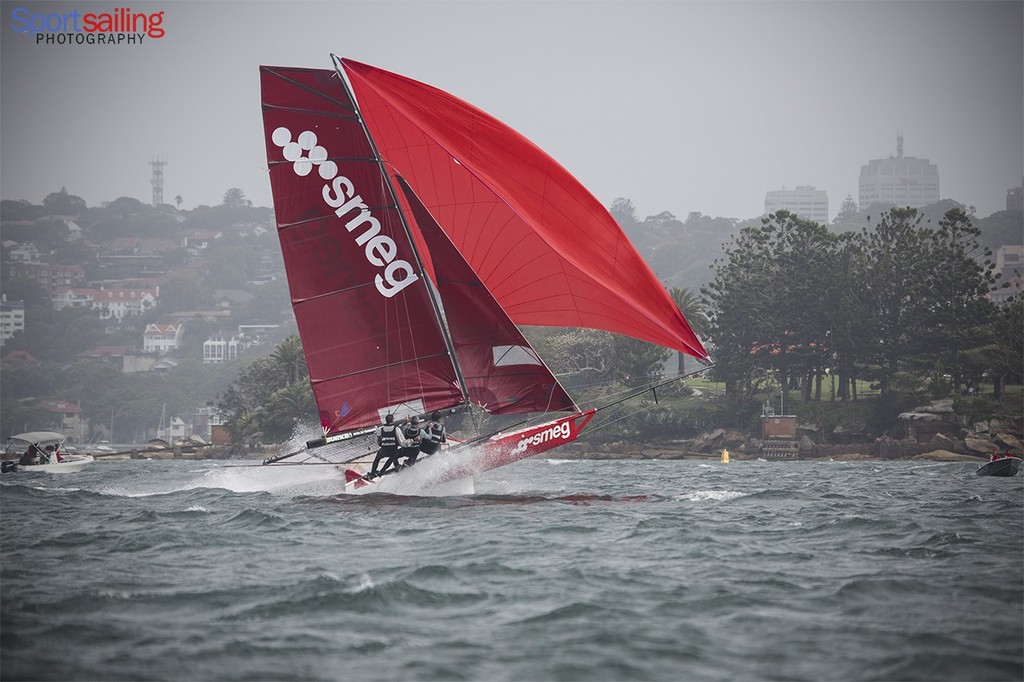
(158, 181)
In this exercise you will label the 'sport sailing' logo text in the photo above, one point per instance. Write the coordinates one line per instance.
(120, 26)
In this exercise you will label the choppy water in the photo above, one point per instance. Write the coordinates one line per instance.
(555, 570)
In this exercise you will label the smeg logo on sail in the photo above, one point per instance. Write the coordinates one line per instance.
(339, 193)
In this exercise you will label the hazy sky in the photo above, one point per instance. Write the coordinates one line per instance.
(678, 106)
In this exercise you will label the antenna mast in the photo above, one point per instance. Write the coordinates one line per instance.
(158, 180)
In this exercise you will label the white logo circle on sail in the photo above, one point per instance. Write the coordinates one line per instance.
(294, 152)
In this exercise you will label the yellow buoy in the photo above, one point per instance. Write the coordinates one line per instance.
(725, 456)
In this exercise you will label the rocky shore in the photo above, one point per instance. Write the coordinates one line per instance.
(929, 427)
(977, 445)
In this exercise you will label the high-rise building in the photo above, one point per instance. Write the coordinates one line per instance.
(805, 201)
(1014, 201)
(899, 181)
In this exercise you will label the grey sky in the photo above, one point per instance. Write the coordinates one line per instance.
(679, 106)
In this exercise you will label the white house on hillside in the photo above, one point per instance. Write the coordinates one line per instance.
(218, 349)
(12, 318)
(115, 303)
(160, 338)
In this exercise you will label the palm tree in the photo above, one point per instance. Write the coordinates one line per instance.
(248, 426)
(290, 357)
(286, 407)
(692, 308)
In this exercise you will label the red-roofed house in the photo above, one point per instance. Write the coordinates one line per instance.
(68, 414)
(18, 357)
(50, 276)
(116, 302)
(121, 303)
(73, 298)
(160, 338)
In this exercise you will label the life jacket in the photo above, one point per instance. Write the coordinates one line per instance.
(431, 443)
(410, 431)
(436, 432)
(387, 438)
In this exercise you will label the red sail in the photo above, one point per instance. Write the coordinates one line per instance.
(540, 242)
(372, 340)
(502, 372)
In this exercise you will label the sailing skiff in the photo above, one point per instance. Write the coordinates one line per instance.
(417, 233)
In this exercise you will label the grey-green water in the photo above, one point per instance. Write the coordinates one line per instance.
(555, 570)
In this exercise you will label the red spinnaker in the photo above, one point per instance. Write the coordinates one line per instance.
(503, 373)
(547, 250)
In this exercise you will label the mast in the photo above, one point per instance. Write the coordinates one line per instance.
(431, 290)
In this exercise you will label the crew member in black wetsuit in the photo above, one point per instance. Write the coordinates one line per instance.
(413, 434)
(433, 435)
(389, 438)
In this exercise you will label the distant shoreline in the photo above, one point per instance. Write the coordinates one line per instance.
(576, 452)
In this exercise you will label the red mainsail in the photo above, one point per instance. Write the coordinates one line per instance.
(373, 343)
(546, 249)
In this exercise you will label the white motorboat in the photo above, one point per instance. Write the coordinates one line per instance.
(41, 451)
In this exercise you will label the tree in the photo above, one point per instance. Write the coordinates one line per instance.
(269, 397)
(955, 311)
(249, 393)
(625, 213)
(737, 303)
(64, 204)
(636, 363)
(895, 277)
(575, 351)
(692, 308)
(177, 201)
(766, 309)
(27, 290)
(1003, 356)
(235, 198)
(285, 408)
(184, 292)
(291, 358)
(18, 210)
(847, 219)
(57, 334)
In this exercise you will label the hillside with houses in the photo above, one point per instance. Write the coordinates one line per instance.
(100, 302)
(127, 322)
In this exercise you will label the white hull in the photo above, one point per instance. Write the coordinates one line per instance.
(67, 467)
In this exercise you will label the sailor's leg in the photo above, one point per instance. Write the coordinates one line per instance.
(392, 460)
(376, 461)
